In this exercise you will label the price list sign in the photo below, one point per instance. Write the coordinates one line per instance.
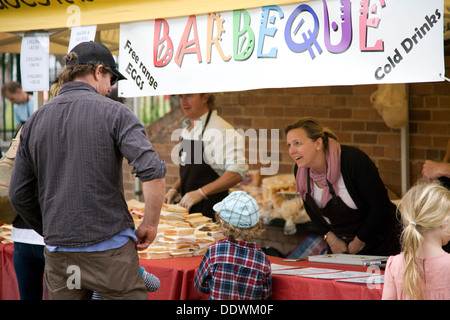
(34, 62)
(81, 34)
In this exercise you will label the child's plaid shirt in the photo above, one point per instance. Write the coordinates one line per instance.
(235, 270)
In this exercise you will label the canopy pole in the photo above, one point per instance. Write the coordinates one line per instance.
(38, 99)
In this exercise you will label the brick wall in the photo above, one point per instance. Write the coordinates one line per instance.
(347, 110)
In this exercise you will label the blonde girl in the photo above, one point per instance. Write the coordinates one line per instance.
(422, 270)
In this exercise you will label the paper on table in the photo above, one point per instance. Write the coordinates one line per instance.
(276, 266)
(338, 275)
(303, 271)
(370, 280)
(348, 259)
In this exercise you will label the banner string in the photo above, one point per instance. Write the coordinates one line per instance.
(444, 77)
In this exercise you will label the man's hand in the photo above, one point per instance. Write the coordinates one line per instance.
(145, 235)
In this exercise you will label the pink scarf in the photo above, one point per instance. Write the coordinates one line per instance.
(333, 158)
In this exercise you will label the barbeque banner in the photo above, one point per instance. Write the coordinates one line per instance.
(317, 43)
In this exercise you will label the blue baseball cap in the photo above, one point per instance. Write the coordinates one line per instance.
(238, 209)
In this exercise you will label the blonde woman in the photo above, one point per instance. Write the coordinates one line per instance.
(422, 270)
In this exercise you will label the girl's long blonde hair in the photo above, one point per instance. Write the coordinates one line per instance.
(424, 207)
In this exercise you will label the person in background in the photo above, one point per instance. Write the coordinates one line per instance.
(29, 261)
(342, 192)
(438, 170)
(67, 182)
(235, 268)
(21, 100)
(441, 171)
(422, 270)
(28, 254)
(205, 178)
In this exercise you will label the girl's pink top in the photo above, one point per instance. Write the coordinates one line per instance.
(435, 284)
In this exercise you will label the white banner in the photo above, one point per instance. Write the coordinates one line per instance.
(317, 43)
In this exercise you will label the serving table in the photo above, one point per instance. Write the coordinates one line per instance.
(177, 280)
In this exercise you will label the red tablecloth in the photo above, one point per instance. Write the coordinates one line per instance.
(176, 277)
(287, 287)
(8, 281)
(177, 281)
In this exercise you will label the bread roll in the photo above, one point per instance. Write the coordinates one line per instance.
(195, 222)
(174, 208)
(178, 232)
(210, 227)
(134, 204)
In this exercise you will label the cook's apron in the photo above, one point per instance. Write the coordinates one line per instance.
(345, 223)
(195, 173)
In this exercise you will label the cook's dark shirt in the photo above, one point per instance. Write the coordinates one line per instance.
(67, 178)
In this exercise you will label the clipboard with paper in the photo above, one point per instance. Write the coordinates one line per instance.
(349, 259)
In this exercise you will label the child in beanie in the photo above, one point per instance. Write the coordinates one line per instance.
(235, 268)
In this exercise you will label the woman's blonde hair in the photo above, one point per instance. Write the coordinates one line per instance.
(423, 208)
(240, 234)
(314, 130)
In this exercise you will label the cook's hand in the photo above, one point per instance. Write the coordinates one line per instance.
(356, 246)
(192, 198)
(170, 196)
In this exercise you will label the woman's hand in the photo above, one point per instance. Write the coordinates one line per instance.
(356, 246)
(336, 244)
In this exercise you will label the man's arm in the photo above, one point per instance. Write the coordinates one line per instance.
(153, 196)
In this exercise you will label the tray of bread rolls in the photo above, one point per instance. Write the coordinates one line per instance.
(180, 233)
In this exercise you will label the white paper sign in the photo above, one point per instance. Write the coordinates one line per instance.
(316, 43)
(34, 62)
(81, 34)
